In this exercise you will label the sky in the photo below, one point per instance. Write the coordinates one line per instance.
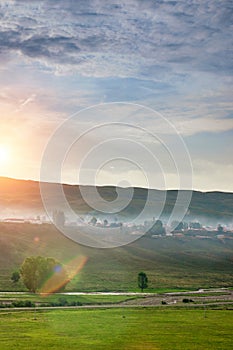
(133, 93)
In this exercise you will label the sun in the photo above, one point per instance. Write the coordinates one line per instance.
(4, 154)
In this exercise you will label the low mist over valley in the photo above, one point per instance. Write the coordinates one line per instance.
(22, 199)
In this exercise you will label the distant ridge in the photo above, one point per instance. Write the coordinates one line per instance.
(22, 195)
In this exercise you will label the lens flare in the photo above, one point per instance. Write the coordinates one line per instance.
(63, 275)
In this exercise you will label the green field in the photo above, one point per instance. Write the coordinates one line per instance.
(170, 263)
(134, 328)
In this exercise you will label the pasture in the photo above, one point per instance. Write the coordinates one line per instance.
(118, 328)
(170, 263)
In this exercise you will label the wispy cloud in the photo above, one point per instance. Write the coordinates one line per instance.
(26, 101)
(129, 38)
(160, 49)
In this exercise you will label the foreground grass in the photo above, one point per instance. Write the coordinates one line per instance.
(139, 328)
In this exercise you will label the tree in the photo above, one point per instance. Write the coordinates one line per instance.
(195, 225)
(15, 277)
(37, 271)
(220, 228)
(142, 281)
(178, 225)
(93, 221)
(157, 228)
(105, 222)
(185, 225)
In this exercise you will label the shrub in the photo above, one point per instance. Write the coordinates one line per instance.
(62, 302)
(186, 300)
(23, 303)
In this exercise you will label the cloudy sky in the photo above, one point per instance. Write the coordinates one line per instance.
(58, 58)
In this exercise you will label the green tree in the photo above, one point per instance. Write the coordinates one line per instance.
(142, 281)
(15, 277)
(36, 271)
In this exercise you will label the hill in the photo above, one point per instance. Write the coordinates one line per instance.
(170, 262)
(19, 197)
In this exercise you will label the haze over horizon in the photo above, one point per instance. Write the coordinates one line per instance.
(174, 57)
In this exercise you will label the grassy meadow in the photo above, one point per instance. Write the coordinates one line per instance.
(170, 263)
(122, 328)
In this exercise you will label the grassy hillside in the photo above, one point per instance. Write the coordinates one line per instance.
(169, 262)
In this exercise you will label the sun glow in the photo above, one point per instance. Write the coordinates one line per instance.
(4, 154)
